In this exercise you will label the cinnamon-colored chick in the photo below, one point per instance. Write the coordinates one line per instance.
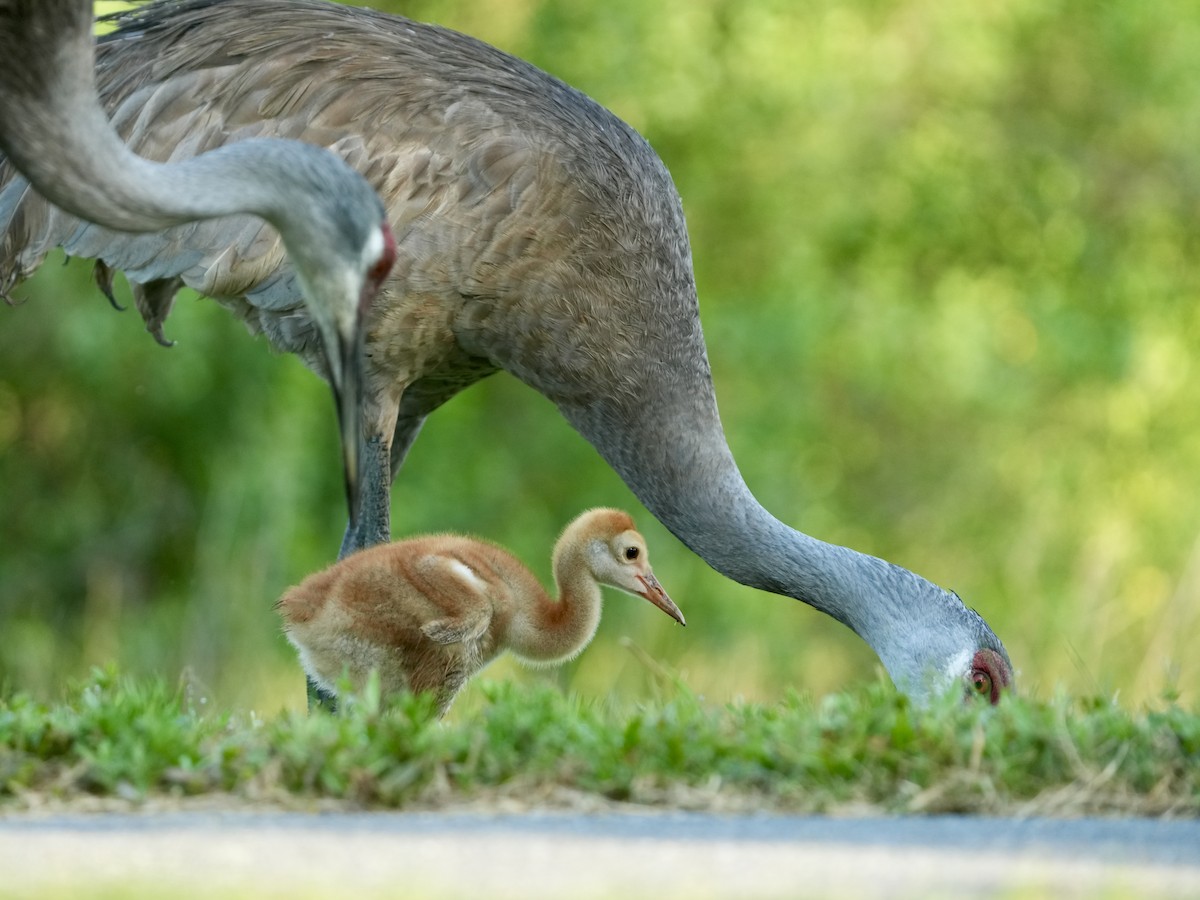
(429, 612)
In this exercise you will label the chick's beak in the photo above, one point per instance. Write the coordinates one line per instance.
(655, 594)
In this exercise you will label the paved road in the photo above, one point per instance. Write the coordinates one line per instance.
(566, 855)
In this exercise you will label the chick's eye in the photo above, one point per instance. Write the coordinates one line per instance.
(631, 553)
(981, 682)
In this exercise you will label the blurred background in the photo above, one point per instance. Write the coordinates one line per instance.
(948, 269)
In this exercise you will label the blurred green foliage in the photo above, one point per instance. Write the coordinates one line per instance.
(947, 262)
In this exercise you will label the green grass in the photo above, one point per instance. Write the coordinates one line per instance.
(870, 750)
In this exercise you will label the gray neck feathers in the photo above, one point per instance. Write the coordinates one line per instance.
(53, 129)
(676, 460)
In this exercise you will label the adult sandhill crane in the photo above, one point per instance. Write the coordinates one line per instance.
(537, 234)
(429, 612)
(329, 220)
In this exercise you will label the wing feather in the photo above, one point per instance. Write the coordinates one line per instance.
(465, 144)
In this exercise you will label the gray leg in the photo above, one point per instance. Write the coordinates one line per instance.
(374, 515)
(319, 698)
(378, 466)
(407, 429)
(373, 527)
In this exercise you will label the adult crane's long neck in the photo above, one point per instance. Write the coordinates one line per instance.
(55, 132)
(137, 194)
(667, 443)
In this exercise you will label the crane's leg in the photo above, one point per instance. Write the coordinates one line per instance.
(373, 527)
(318, 698)
(424, 396)
(380, 462)
(407, 429)
(374, 524)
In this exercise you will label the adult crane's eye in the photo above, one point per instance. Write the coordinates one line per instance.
(981, 683)
(631, 553)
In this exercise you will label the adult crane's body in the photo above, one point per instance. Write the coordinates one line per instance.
(536, 233)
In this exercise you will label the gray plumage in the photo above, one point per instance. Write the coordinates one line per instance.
(537, 234)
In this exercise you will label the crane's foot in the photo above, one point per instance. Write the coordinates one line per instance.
(320, 699)
(154, 300)
(103, 276)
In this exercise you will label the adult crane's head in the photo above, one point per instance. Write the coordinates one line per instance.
(333, 225)
(342, 254)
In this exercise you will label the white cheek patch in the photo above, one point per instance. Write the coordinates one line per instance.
(958, 666)
(372, 250)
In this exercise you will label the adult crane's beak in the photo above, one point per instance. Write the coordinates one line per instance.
(346, 376)
(655, 594)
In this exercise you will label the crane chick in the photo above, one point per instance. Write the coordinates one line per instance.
(429, 612)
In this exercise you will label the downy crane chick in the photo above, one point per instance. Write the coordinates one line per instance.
(429, 612)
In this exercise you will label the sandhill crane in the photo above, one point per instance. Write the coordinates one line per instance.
(330, 221)
(537, 234)
(429, 612)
